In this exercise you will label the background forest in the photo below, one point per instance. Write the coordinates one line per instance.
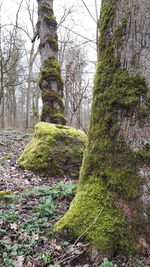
(20, 99)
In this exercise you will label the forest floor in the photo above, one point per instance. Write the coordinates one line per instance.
(30, 204)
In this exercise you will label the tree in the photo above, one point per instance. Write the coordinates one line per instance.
(50, 80)
(31, 61)
(12, 72)
(75, 89)
(10, 51)
(112, 204)
(12, 80)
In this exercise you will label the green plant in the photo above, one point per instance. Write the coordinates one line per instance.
(32, 225)
(63, 189)
(6, 195)
(9, 215)
(35, 223)
(47, 206)
(38, 191)
(11, 251)
(107, 263)
(59, 189)
(7, 260)
(44, 257)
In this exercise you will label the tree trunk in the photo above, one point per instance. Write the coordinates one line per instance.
(14, 108)
(28, 102)
(112, 204)
(50, 81)
(2, 99)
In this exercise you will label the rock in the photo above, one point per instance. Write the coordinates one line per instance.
(55, 150)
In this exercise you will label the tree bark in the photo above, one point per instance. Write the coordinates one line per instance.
(50, 80)
(112, 204)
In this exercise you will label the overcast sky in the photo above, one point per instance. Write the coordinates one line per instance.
(82, 20)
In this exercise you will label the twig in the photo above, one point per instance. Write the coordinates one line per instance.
(62, 258)
(70, 257)
(89, 226)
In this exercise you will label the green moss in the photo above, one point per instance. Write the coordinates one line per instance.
(51, 70)
(110, 229)
(52, 42)
(58, 114)
(143, 155)
(55, 150)
(106, 16)
(50, 19)
(51, 94)
(106, 19)
(120, 30)
(46, 6)
(46, 111)
(49, 97)
(51, 67)
(5, 195)
(110, 171)
(2, 144)
(144, 111)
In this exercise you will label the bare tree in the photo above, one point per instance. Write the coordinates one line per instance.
(32, 56)
(10, 49)
(75, 86)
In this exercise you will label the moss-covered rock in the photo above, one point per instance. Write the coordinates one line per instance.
(55, 150)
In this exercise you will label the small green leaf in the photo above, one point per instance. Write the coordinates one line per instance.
(4, 254)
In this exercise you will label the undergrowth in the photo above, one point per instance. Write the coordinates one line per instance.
(20, 231)
(107, 263)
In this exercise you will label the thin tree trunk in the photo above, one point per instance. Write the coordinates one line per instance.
(50, 81)
(14, 108)
(2, 100)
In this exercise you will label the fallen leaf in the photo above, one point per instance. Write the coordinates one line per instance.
(13, 226)
(20, 260)
(6, 240)
(29, 264)
(58, 248)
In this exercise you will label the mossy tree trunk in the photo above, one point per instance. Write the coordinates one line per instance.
(112, 204)
(50, 80)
